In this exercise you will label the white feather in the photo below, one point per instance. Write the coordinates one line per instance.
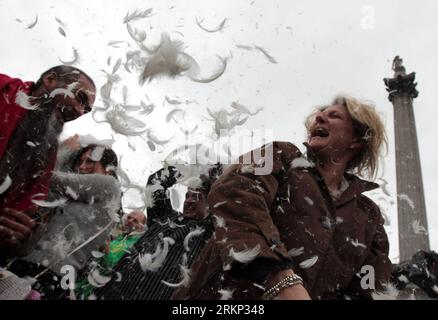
(33, 24)
(50, 204)
(153, 262)
(295, 252)
(171, 114)
(124, 124)
(306, 264)
(220, 222)
(185, 274)
(197, 232)
(309, 201)
(168, 60)
(267, 55)
(390, 292)
(215, 75)
(301, 163)
(185, 281)
(418, 228)
(97, 254)
(5, 185)
(137, 15)
(244, 110)
(22, 100)
(96, 279)
(218, 28)
(245, 256)
(73, 61)
(226, 294)
(62, 32)
(61, 23)
(405, 197)
(67, 92)
(216, 205)
(70, 192)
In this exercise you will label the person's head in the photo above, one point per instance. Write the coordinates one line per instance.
(75, 95)
(135, 221)
(95, 159)
(347, 130)
(195, 204)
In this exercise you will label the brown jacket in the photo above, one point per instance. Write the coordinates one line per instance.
(290, 210)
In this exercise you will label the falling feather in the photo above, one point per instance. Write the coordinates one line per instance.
(302, 163)
(267, 55)
(33, 24)
(67, 92)
(220, 222)
(188, 132)
(245, 256)
(155, 140)
(73, 61)
(71, 193)
(356, 243)
(214, 76)
(383, 186)
(185, 274)
(137, 15)
(117, 65)
(97, 254)
(226, 294)
(218, 28)
(151, 146)
(216, 205)
(61, 23)
(197, 232)
(405, 197)
(390, 292)
(114, 44)
(295, 252)
(96, 279)
(171, 101)
(62, 32)
(23, 100)
(244, 110)
(306, 264)
(146, 108)
(7, 182)
(244, 47)
(50, 204)
(153, 262)
(136, 34)
(418, 228)
(124, 124)
(168, 60)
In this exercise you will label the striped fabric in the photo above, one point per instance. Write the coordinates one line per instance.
(136, 284)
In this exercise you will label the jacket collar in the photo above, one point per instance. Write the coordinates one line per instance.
(356, 187)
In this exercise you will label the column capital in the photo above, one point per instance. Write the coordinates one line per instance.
(401, 84)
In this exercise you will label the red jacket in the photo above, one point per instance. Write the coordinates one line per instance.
(10, 116)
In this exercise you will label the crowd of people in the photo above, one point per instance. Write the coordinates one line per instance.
(302, 231)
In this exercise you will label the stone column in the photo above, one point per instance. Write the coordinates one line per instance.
(412, 219)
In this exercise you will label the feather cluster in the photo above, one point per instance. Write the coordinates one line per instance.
(154, 261)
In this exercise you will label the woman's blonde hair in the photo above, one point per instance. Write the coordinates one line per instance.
(367, 125)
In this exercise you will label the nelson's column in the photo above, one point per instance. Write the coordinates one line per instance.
(412, 219)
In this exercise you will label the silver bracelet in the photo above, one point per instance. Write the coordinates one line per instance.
(286, 282)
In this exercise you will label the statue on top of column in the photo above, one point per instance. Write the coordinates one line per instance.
(397, 66)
